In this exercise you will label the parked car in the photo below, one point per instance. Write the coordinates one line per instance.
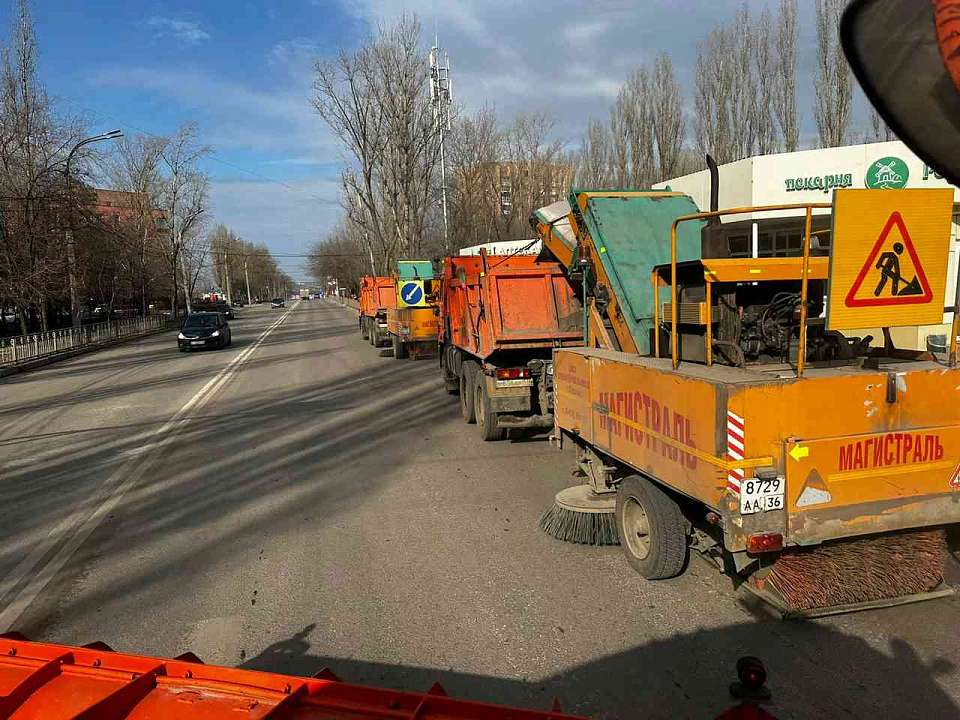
(277, 303)
(204, 330)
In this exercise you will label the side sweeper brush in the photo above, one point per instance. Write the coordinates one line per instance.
(861, 570)
(579, 515)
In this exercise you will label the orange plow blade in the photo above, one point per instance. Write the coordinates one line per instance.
(40, 680)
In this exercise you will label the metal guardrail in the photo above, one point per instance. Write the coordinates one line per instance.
(24, 348)
(345, 302)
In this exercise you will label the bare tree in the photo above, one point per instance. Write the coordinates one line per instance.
(340, 256)
(184, 194)
(593, 160)
(346, 100)
(833, 89)
(713, 96)
(535, 168)
(135, 169)
(785, 85)
(740, 37)
(764, 71)
(879, 130)
(635, 102)
(475, 147)
(667, 116)
(36, 201)
(374, 100)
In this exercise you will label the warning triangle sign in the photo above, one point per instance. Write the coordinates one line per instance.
(892, 273)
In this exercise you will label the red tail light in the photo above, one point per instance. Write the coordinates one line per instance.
(764, 543)
(517, 373)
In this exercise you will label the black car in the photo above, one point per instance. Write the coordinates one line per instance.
(277, 303)
(204, 330)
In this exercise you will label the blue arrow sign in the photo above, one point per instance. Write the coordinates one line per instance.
(411, 293)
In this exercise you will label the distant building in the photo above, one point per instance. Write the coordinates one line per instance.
(550, 182)
(119, 207)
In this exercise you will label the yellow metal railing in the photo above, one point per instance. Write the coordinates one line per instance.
(804, 273)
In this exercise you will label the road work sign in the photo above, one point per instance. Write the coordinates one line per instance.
(888, 257)
(411, 294)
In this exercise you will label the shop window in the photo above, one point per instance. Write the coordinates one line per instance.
(765, 245)
(506, 197)
(739, 245)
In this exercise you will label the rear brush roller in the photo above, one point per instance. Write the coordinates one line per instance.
(862, 570)
(579, 515)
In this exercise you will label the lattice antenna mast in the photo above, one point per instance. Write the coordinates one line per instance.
(441, 99)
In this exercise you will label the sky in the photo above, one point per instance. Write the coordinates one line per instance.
(243, 71)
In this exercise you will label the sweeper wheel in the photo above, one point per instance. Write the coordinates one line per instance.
(651, 528)
(579, 515)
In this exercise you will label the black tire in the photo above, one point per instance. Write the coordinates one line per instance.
(467, 372)
(483, 409)
(374, 334)
(364, 333)
(400, 350)
(450, 381)
(664, 533)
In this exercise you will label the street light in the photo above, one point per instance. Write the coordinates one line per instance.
(71, 256)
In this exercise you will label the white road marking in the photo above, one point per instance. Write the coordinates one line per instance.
(74, 530)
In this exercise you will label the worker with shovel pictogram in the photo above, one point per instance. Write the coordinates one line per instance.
(889, 266)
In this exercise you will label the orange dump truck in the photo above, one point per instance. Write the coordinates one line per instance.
(501, 317)
(377, 296)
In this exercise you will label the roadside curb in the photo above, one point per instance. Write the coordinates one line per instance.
(8, 370)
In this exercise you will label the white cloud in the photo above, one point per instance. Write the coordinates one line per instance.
(276, 121)
(180, 29)
(234, 115)
(586, 33)
(566, 57)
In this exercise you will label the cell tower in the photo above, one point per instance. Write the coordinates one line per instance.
(441, 98)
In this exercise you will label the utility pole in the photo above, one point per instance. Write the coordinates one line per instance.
(441, 98)
(183, 272)
(246, 277)
(71, 250)
(226, 275)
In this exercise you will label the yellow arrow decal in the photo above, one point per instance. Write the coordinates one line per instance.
(798, 451)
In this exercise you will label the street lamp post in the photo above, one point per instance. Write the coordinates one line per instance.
(71, 253)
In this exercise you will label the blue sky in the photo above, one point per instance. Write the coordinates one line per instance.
(242, 71)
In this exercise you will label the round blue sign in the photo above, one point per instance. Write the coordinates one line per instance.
(411, 293)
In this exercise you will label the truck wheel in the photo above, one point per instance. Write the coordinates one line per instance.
(483, 409)
(466, 391)
(450, 382)
(364, 332)
(399, 348)
(374, 334)
(651, 527)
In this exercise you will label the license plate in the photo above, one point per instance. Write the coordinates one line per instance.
(761, 495)
(196, 342)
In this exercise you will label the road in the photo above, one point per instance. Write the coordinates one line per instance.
(300, 501)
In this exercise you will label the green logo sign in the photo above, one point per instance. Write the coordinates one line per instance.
(888, 173)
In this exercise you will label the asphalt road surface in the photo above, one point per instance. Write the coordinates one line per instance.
(300, 500)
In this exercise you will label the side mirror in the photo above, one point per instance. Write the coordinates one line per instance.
(896, 49)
